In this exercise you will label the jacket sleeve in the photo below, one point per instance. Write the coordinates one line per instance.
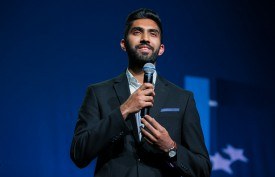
(92, 132)
(192, 156)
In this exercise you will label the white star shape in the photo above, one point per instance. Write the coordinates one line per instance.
(235, 154)
(220, 163)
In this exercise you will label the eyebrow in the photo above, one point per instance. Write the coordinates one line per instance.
(137, 28)
(154, 30)
(142, 29)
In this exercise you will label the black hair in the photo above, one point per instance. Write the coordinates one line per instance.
(142, 13)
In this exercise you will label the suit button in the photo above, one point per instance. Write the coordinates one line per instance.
(138, 159)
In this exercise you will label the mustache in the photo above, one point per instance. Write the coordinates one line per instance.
(144, 45)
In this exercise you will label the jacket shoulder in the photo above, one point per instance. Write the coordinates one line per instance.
(108, 83)
(175, 88)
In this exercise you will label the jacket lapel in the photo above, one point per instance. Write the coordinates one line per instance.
(122, 90)
(121, 87)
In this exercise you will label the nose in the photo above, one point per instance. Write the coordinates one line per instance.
(144, 38)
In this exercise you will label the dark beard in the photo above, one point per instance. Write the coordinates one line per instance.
(140, 59)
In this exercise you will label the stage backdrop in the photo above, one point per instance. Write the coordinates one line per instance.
(50, 51)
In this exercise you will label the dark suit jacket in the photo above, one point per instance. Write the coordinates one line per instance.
(102, 132)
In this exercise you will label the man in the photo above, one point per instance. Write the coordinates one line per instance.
(167, 143)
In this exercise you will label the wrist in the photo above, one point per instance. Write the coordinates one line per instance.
(172, 145)
(172, 151)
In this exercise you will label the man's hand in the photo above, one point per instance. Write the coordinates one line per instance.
(156, 134)
(142, 97)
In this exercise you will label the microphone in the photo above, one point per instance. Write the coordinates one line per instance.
(149, 70)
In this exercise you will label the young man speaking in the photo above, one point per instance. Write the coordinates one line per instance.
(166, 143)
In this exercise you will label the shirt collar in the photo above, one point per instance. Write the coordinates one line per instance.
(134, 82)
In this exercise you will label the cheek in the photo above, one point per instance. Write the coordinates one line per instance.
(132, 43)
(133, 39)
(156, 43)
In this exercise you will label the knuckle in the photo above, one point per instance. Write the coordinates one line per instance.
(158, 136)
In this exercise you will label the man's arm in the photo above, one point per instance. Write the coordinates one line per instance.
(192, 155)
(92, 132)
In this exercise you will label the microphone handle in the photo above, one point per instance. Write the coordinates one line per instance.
(148, 78)
(144, 111)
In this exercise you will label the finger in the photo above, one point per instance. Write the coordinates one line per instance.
(154, 123)
(153, 131)
(146, 86)
(148, 136)
(150, 92)
(146, 104)
(148, 140)
(148, 99)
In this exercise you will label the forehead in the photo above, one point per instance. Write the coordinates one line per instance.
(145, 24)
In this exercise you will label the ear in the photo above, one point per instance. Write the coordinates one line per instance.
(122, 44)
(161, 49)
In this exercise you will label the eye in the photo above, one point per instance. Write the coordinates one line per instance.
(136, 32)
(154, 34)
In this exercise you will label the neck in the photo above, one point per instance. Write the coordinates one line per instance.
(136, 70)
(137, 73)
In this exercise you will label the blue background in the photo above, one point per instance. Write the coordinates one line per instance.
(50, 51)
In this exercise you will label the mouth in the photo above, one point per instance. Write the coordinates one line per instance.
(144, 48)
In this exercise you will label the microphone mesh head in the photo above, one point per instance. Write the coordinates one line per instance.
(149, 68)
